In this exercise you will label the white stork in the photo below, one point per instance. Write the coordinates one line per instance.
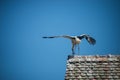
(76, 40)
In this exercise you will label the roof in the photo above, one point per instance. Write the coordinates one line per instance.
(93, 67)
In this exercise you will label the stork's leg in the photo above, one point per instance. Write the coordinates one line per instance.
(78, 49)
(73, 49)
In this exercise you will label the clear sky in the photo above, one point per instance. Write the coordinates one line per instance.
(24, 55)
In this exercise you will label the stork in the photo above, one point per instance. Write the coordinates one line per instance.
(76, 40)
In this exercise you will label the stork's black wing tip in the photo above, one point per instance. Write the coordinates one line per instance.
(48, 37)
(92, 41)
(44, 37)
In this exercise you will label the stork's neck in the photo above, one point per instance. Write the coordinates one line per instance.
(80, 37)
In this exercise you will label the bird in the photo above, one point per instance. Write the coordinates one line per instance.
(75, 40)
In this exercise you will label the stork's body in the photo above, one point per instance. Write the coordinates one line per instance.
(76, 40)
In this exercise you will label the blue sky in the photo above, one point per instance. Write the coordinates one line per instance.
(24, 55)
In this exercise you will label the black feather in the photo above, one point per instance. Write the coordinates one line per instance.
(47, 37)
(80, 37)
(44, 37)
(91, 40)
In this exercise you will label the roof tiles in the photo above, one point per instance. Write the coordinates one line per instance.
(93, 68)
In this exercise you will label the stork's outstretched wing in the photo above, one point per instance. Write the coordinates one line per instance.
(90, 39)
(64, 36)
